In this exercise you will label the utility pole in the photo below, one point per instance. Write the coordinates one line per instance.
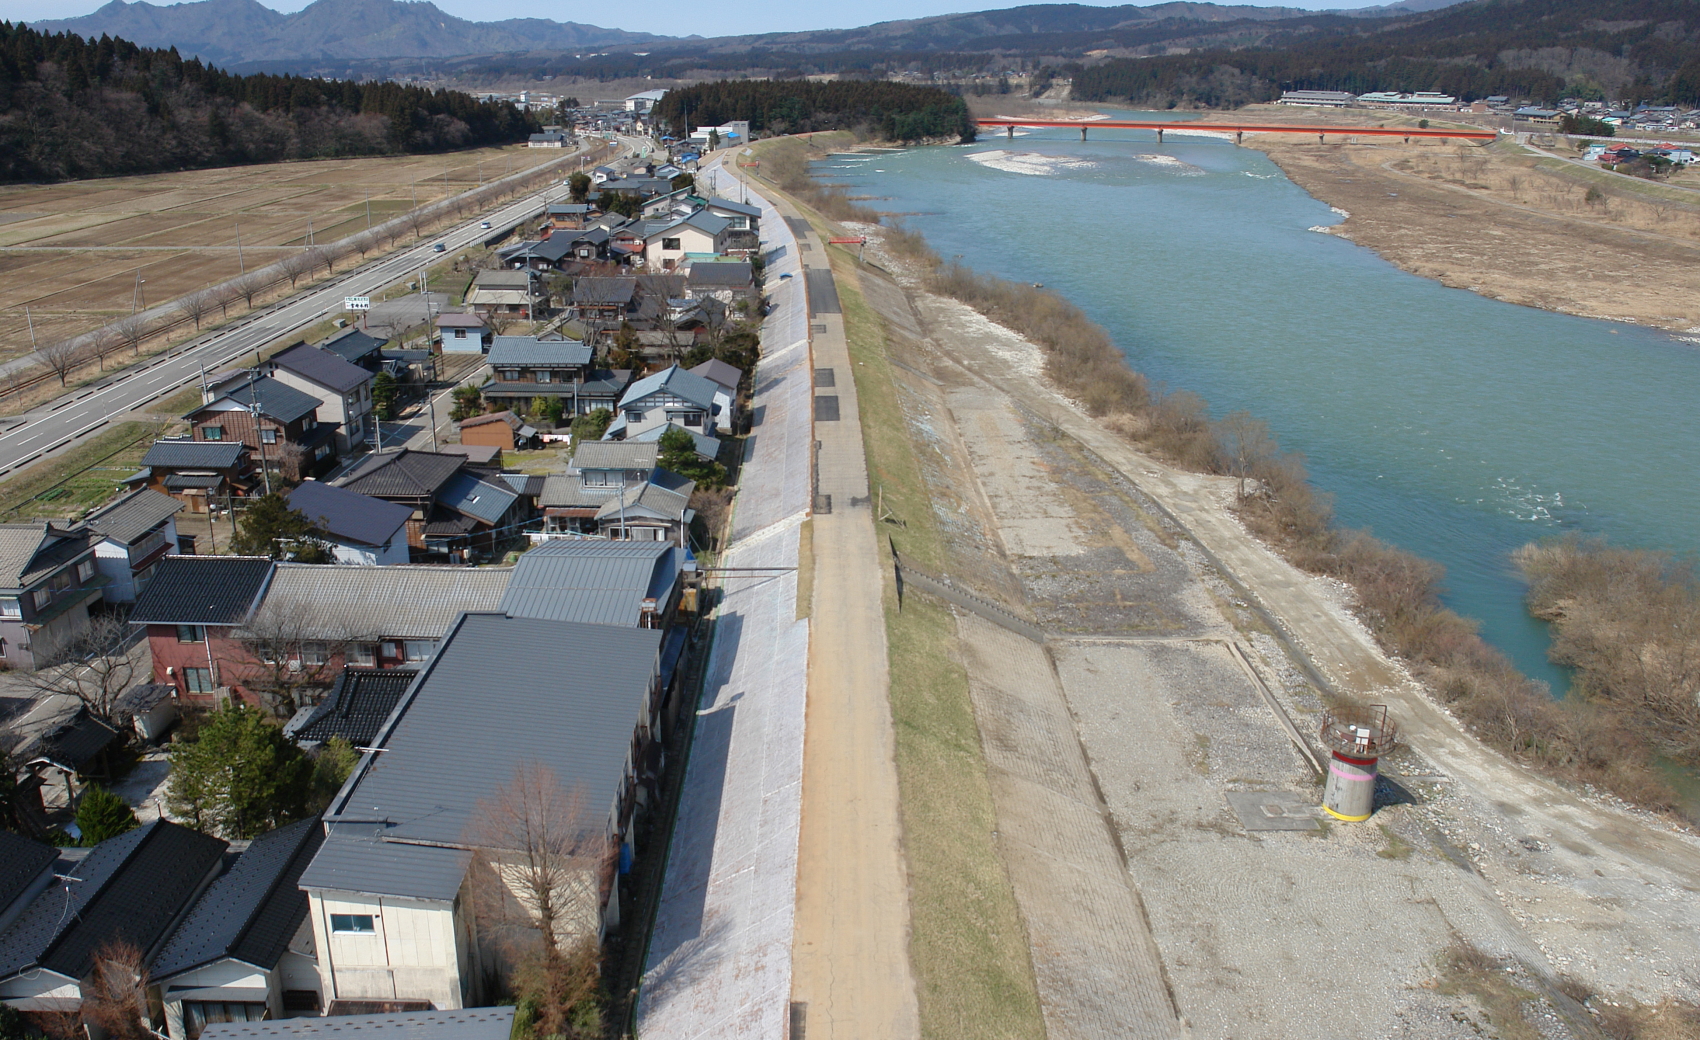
(239, 259)
(431, 403)
(259, 435)
(32, 325)
(309, 232)
(368, 211)
(136, 290)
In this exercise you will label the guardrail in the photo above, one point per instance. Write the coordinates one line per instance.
(945, 589)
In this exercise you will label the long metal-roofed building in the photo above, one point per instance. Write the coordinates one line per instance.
(598, 582)
(390, 890)
(485, 1023)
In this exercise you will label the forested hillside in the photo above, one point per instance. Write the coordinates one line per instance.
(1539, 49)
(71, 107)
(895, 111)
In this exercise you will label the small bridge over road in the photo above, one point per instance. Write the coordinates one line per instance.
(1239, 130)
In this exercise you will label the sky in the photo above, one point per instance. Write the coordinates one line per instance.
(665, 17)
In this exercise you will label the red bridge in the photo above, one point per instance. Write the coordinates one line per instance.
(1239, 130)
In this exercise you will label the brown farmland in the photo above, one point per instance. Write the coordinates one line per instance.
(73, 253)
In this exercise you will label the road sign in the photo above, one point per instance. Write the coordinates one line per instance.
(356, 303)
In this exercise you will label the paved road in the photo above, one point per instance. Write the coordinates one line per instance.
(53, 427)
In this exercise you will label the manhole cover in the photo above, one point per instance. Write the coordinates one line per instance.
(1273, 810)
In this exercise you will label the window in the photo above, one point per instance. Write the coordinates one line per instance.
(11, 608)
(510, 375)
(460, 334)
(541, 375)
(61, 581)
(43, 599)
(268, 436)
(365, 653)
(670, 243)
(198, 680)
(634, 415)
(691, 419)
(198, 1014)
(324, 449)
(309, 423)
(353, 924)
(389, 649)
(191, 634)
(313, 654)
(212, 433)
(419, 650)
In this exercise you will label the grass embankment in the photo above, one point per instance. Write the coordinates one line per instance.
(81, 478)
(967, 942)
(1398, 593)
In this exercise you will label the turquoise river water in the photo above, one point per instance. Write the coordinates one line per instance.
(1454, 426)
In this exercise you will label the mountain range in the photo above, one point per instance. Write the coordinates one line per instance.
(244, 34)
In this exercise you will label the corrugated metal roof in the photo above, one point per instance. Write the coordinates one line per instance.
(251, 912)
(349, 516)
(664, 496)
(407, 601)
(352, 343)
(594, 582)
(680, 382)
(492, 1023)
(366, 864)
(202, 590)
(501, 692)
(561, 491)
(465, 493)
(615, 455)
(527, 351)
(134, 515)
(186, 454)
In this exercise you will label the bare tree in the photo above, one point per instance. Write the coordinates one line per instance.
(295, 649)
(61, 356)
(195, 306)
(415, 219)
(224, 295)
(96, 667)
(132, 329)
(1247, 443)
(546, 862)
(319, 256)
(249, 286)
(365, 242)
(103, 342)
(297, 264)
(115, 995)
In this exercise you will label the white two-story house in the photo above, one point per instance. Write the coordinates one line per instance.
(344, 389)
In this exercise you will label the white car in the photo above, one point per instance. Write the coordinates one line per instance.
(486, 225)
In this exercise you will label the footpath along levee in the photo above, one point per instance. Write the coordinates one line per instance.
(719, 962)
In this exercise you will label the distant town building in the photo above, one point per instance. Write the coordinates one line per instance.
(1318, 98)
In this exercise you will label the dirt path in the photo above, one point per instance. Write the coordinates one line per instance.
(850, 971)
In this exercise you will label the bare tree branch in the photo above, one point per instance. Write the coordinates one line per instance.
(61, 356)
(196, 305)
(96, 667)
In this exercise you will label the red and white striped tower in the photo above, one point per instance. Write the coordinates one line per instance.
(1356, 739)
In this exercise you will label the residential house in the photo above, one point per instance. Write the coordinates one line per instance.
(459, 332)
(589, 244)
(604, 302)
(745, 237)
(503, 430)
(706, 447)
(133, 889)
(658, 510)
(26, 869)
(357, 347)
(278, 423)
(526, 367)
(636, 187)
(603, 388)
(474, 515)
(559, 215)
(503, 294)
(598, 582)
(132, 534)
(244, 952)
(555, 140)
(357, 528)
(673, 395)
(726, 379)
(476, 456)
(667, 245)
(149, 709)
(545, 255)
(681, 202)
(77, 749)
(405, 477)
(730, 283)
(197, 473)
(391, 888)
(49, 578)
(354, 709)
(484, 1023)
(192, 610)
(344, 389)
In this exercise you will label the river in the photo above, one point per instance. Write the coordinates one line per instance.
(1451, 425)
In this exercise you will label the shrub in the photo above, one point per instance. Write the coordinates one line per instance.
(102, 815)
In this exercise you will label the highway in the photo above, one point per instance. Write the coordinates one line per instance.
(57, 425)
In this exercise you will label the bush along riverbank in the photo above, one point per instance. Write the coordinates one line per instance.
(1587, 737)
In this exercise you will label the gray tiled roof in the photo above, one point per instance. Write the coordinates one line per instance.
(186, 454)
(321, 367)
(30, 551)
(491, 278)
(615, 455)
(251, 912)
(529, 351)
(21, 862)
(451, 742)
(189, 481)
(275, 399)
(465, 493)
(734, 276)
(485, 1023)
(595, 582)
(604, 292)
(401, 474)
(416, 601)
(202, 590)
(134, 515)
(665, 496)
(352, 343)
(349, 516)
(129, 889)
(707, 447)
(736, 207)
(360, 862)
(720, 374)
(561, 491)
